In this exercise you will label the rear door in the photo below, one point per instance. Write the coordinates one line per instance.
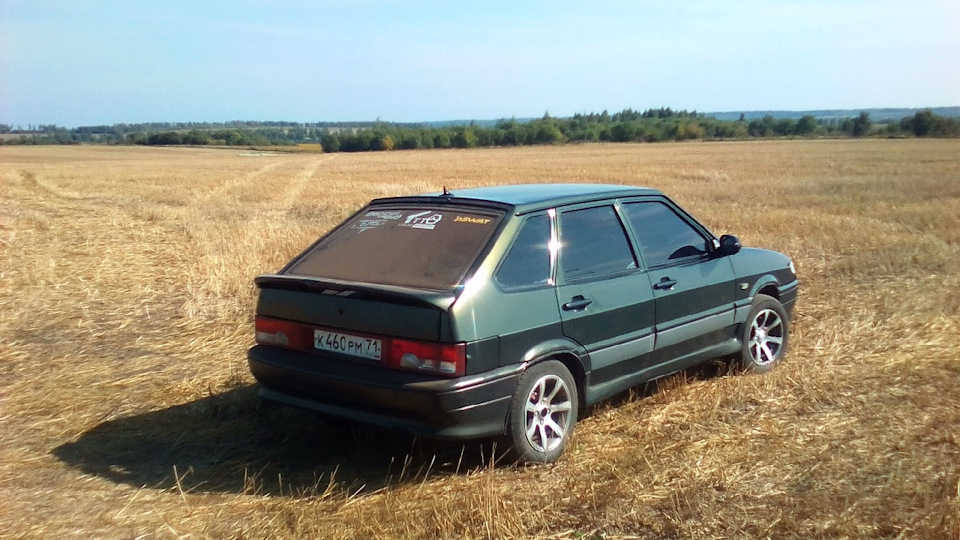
(694, 291)
(606, 303)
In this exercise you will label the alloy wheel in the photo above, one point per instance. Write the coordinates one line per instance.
(766, 337)
(548, 413)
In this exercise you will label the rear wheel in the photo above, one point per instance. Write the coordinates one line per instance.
(543, 413)
(765, 335)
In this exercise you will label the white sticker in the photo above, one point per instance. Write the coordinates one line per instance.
(367, 224)
(383, 214)
(421, 220)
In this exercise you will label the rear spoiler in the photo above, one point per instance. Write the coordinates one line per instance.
(359, 291)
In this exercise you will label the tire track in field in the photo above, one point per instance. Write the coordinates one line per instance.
(295, 188)
(79, 253)
(9, 212)
(237, 229)
(47, 202)
(243, 180)
(34, 188)
(37, 187)
(42, 205)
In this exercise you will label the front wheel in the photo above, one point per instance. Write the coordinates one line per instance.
(543, 413)
(765, 335)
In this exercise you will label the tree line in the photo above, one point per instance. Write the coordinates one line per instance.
(628, 125)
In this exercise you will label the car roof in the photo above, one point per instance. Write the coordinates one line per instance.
(524, 198)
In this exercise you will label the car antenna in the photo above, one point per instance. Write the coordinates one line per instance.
(445, 192)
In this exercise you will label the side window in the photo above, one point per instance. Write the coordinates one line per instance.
(593, 243)
(527, 264)
(663, 235)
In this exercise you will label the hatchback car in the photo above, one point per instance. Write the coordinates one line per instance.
(507, 310)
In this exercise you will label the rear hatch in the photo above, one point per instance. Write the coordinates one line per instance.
(390, 272)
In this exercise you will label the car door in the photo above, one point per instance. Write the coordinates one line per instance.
(694, 291)
(606, 303)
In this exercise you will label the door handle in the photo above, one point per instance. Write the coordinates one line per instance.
(665, 284)
(577, 303)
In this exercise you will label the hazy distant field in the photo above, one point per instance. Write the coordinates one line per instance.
(126, 408)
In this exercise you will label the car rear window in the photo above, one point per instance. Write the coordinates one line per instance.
(421, 247)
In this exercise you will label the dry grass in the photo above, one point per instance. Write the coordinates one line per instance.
(126, 409)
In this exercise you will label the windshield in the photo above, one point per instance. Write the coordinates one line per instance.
(420, 247)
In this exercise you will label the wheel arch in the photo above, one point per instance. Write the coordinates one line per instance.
(575, 366)
(767, 285)
(770, 290)
(568, 353)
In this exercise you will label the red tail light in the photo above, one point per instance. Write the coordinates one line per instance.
(446, 359)
(449, 359)
(286, 334)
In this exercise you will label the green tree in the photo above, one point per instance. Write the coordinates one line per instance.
(164, 138)
(859, 126)
(516, 135)
(382, 141)
(548, 133)
(806, 125)
(195, 137)
(426, 139)
(330, 142)
(465, 138)
(624, 131)
(784, 127)
(410, 140)
(688, 131)
(927, 124)
(488, 137)
(762, 127)
(919, 124)
(441, 139)
(862, 124)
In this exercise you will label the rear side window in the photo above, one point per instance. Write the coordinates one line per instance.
(593, 244)
(527, 264)
(663, 235)
(422, 247)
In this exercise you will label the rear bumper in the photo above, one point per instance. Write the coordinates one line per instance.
(461, 408)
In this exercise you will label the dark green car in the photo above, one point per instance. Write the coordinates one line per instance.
(505, 310)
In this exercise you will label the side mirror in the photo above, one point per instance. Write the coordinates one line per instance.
(729, 245)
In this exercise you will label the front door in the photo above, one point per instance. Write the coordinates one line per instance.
(694, 291)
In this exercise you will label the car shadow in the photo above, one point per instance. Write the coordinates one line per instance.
(229, 443)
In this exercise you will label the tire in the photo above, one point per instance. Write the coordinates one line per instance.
(543, 413)
(765, 335)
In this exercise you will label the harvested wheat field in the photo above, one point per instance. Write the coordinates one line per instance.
(126, 408)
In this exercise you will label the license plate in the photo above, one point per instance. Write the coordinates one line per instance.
(363, 347)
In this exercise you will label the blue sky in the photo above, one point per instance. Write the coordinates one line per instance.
(92, 62)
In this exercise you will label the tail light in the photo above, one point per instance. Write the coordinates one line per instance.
(446, 359)
(449, 359)
(286, 334)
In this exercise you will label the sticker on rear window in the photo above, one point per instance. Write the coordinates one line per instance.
(475, 220)
(383, 214)
(376, 218)
(367, 224)
(418, 246)
(422, 220)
